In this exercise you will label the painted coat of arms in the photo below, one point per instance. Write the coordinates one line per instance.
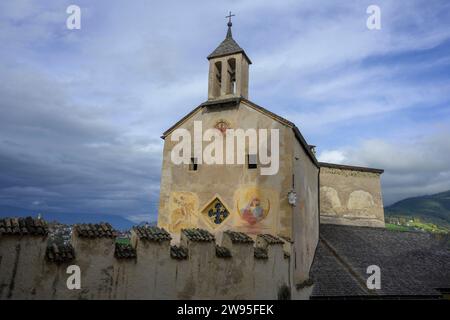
(216, 212)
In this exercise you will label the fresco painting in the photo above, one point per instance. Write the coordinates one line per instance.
(183, 207)
(254, 208)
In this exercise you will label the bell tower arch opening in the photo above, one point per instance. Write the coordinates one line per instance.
(231, 65)
(217, 78)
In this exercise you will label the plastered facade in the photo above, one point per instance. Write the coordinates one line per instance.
(185, 194)
(351, 197)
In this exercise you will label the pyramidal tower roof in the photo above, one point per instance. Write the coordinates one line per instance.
(228, 46)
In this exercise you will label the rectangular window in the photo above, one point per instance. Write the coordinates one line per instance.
(193, 165)
(251, 161)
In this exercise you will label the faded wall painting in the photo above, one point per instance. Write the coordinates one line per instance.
(183, 208)
(330, 201)
(360, 200)
(255, 210)
(351, 197)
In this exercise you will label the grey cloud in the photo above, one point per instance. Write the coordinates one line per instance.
(53, 156)
(82, 112)
(416, 167)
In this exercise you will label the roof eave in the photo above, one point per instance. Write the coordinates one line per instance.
(212, 56)
(349, 167)
(297, 132)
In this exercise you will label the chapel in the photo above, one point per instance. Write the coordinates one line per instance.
(289, 203)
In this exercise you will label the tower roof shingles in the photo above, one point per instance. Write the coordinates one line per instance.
(227, 47)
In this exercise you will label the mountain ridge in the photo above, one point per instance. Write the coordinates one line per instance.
(118, 222)
(433, 208)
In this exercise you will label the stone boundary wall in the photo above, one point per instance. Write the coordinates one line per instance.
(351, 195)
(148, 268)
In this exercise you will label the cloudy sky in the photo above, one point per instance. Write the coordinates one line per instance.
(82, 110)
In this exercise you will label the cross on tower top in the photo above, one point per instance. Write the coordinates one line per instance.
(229, 18)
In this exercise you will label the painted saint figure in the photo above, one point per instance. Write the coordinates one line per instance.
(253, 212)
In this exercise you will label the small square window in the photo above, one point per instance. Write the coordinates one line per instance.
(193, 165)
(251, 161)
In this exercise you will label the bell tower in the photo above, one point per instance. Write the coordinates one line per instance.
(228, 69)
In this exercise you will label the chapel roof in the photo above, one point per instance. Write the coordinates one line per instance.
(411, 263)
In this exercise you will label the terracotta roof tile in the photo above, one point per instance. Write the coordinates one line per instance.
(270, 239)
(152, 233)
(198, 235)
(261, 253)
(179, 253)
(97, 230)
(23, 226)
(124, 251)
(239, 237)
(285, 238)
(60, 253)
(222, 252)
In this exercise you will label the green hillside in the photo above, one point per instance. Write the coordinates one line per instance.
(433, 209)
